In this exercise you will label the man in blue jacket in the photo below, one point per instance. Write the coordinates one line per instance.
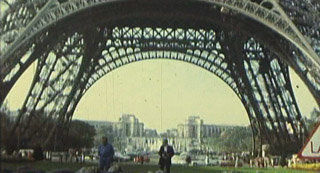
(106, 153)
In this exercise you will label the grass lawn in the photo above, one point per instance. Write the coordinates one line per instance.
(133, 168)
(184, 169)
(44, 165)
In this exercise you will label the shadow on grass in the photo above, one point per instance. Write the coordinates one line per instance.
(134, 168)
(43, 165)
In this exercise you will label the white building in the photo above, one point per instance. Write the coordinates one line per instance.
(185, 137)
(127, 126)
(195, 128)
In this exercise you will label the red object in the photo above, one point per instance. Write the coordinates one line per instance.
(141, 159)
(146, 159)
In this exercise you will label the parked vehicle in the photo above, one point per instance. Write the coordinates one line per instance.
(198, 163)
(227, 163)
(179, 160)
(199, 160)
(132, 155)
(214, 161)
(120, 157)
(142, 159)
(230, 163)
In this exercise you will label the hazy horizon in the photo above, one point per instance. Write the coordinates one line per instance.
(182, 122)
(161, 94)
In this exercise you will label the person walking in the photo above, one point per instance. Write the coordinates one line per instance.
(188, 160)
(207, 159)
(166, 152)
(106, 153)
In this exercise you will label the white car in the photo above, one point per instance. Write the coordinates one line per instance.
(214, 162)
(178, 160)
(198, 163)
(120, 157)
(203, 160)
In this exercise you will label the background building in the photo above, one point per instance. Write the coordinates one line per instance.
(132, 136)
(195, 128)
(129, 126)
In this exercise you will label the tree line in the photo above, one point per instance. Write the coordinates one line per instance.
(34, 133)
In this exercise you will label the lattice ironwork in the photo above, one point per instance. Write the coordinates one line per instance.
(247, 44)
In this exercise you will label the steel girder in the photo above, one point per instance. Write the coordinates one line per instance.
(67, 72)
(69, 64)
(21, 26)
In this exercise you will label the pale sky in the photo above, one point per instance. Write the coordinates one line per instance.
(161, 101)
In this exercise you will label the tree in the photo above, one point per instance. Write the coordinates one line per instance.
(106, 131)
(7, 142)
(236, 139)
(31, 133)
(81, 135)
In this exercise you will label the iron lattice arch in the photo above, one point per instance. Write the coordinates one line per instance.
(222, 37)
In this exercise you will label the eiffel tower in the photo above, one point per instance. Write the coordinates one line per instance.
(249, 44)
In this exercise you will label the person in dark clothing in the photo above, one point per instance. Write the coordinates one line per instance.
(38, 152)
(106, 153)
(188, 160)
(166, 152)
